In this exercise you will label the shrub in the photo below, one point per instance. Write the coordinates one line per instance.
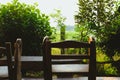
(24, 21)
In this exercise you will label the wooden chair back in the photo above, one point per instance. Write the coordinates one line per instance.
(8, 72)
(64, 65)
(12, 63)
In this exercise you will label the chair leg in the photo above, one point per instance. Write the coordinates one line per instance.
(91, 76)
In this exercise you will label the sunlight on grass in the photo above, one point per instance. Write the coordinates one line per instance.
(56, 51)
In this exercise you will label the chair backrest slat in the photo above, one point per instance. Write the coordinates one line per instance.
(70, 56)
(70, 44)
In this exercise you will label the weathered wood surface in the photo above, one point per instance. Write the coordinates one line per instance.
(28, 62)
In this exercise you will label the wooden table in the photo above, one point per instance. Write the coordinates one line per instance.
(28, 62)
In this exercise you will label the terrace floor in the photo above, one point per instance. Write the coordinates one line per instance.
(80, 78)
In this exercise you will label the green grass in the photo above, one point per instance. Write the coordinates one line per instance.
(69, 35)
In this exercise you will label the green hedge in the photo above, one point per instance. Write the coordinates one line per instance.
(24, 21)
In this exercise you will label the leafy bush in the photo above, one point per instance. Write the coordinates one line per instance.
(26, 22)
(106, 69)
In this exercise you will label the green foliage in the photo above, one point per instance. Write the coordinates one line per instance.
(82, 32)
(111, 43)
(69, 35)
(106, 69)
(56, 51)
(59, 19)
(26, 22)
(98, 16)
(101, 57)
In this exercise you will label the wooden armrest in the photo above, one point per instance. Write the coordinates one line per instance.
(2, 48)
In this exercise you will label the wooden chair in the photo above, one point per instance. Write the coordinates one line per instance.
(8, 71)
(68, 65)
